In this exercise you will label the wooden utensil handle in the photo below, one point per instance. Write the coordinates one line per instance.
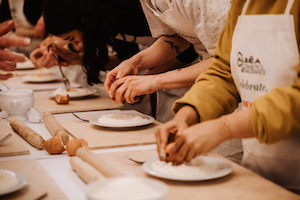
(84, 170)
(28, 134)
(54, 127)
(97, 162)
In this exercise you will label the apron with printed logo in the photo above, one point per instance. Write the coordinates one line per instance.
(265, 56)
(179, 24)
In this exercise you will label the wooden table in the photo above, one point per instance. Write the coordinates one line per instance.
(39, 181)
(101, 137)
(44, 102)
(240, 184)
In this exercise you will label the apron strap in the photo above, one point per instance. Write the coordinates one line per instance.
(287, 9)
(245, 7)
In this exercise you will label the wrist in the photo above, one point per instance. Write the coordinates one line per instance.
(188, 114)
(157, 82)
(135, 62)
(226, 128)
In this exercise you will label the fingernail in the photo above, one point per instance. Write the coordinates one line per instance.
(27, 40)
(109, 94)
(162, 156)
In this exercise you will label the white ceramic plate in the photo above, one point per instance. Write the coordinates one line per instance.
(222, 168)
(149, 119)
(22, 181)
(78, 92)
(41, 78)
(25, 65)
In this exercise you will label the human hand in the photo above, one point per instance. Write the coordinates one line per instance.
(129, 88)
(68, 57)
(42, 56)
(127, 67)
(167, 133)
(8, 59)
(198, 139)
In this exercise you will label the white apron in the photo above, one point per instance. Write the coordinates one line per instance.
(265, 56)
(182, 26)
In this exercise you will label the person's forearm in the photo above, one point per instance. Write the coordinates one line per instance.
(188, 114)
(183, 77)
(238, 124)
(162, 50)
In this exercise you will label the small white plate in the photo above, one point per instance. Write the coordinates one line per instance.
(22, 181)
(41, 78)
(221, 166)
(25, 65)
(77, 92)
(149, 119)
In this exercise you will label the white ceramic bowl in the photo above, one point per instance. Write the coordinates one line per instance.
(16, 102)
(127, 188)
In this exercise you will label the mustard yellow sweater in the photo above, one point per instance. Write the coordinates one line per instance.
(274, 116)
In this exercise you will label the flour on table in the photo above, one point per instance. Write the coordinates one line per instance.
(195, 168)
(121, 119)
(7, 180)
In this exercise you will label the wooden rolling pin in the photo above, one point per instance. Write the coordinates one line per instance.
(84, 170)
(55, 127)
(27, 133)
(98, 163)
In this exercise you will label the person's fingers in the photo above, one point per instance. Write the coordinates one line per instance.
(127, 95)
(49, 61)
(115, 85)
(5, 27)
(7, 66)
(190, 155)
(5, 76)
(133, 97)
(6, 42)
(119, 94)
(108, 82)
(162, 134)
(33, 56)
(11, 56)
(176, 147)
(182, 153)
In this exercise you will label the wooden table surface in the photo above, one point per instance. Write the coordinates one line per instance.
(39, 181)
(14, 145)
(44, 102)
(240, 184)
(101, 137)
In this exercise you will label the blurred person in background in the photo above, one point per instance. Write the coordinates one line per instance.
(101, 34)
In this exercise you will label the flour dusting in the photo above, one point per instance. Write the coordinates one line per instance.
(195, 168)
(121, 119)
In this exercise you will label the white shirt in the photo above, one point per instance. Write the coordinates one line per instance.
(207, 17)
